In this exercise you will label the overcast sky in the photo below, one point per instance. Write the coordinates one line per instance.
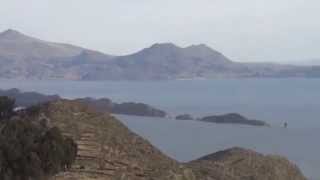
(244, 30)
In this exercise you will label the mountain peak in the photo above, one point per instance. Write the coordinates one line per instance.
(10, 33)
(193, 48)
(18, 46)
(164, 45)
(202, 47)
(16, 36)
(161, 48)
(198, 46)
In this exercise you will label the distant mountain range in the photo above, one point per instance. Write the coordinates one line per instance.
(306, 62)
(24, 57)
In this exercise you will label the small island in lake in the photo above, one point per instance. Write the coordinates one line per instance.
(233, 118)
(106, 105)
(184, 117)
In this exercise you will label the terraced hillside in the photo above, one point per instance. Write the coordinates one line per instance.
(107, 150)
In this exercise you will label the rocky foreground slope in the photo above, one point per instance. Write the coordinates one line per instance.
(109, 150)
(244, 164)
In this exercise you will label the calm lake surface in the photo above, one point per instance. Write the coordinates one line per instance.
(296, 101)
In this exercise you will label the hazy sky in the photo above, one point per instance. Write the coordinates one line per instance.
(244, 30)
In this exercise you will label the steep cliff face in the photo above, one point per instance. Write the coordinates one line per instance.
(109, 150)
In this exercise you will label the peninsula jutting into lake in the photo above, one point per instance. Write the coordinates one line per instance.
(105, 105)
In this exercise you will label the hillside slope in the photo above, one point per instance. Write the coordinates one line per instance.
(245, 164)
(108, 150)
(17, 46)
(25, 57)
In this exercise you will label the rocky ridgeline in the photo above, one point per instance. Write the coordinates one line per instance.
(109, 150)
(26, 99)
(127, 108)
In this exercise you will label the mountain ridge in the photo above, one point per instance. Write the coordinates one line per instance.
(24, 57)
(18, 44)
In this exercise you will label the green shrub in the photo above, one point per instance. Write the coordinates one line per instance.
(28, 151)
(6, 107)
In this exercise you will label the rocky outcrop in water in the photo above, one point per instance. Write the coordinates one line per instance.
(184, 117)
(233, 118)
(137, 109)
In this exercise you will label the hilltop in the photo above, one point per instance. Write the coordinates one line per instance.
(246, 164)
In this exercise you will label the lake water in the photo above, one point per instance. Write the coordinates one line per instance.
(296, 101)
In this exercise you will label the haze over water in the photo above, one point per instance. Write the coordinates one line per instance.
(275, 101)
